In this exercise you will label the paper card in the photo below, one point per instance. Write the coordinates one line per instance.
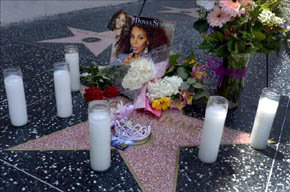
(121, 143)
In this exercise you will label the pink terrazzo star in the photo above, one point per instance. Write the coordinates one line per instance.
(104, 39)
(154, 163)
(192, 12)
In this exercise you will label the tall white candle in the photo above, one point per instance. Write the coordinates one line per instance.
(265, 115)
(16, 97)
(215, 116)
(62, 90)
(100, 137)
(72, 58)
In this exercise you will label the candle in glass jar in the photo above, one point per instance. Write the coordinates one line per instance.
(72, 58)
(100, 135)
(15, 95)
(264, 119)
(63, 96)
(213, 125)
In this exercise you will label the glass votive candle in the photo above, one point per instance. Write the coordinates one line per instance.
(72, 58)
(62, 88)
(13, 81)
(100, 135)
(215, 115)
(266, 111)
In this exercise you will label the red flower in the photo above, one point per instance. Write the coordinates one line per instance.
(93, 93)
(111, 92)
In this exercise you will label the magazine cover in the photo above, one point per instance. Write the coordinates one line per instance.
(137, 36)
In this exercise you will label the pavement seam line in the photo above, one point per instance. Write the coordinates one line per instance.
(277, 147)
(9, 164)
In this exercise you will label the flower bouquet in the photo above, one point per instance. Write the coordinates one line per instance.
(155, 82)
(232, 30)
(194, 86)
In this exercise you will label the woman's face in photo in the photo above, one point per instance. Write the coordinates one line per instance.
(120, 21)
(138, 40)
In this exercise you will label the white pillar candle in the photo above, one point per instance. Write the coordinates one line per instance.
(62, 90)
(212, 131)
(15, 95)
(72, 58)
(265, 115)
(100, 136)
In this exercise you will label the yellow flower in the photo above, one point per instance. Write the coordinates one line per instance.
(188, 100)
(198, 74)
(192, 61)
(165, 102)
(156, 104)
(179, 105)
(162, 103)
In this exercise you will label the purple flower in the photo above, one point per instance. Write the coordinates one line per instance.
(198, 72)
(286, 26)
(209, 31)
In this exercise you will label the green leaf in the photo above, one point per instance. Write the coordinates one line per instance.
(221, 51)
(170, 69)
(230, 45)
(184, 86)
(182, 73)
(190, 55)
(201, 25)
(197, 85)
(191, 89)
(258, 26)
(191, 81)
(173, 59)
(220, 36)
(199, 95)
(259, 36)
(211, 37)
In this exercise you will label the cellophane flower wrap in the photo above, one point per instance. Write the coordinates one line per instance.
(133, 78)
(156, 65)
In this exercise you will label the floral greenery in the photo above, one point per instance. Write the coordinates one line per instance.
(195, 87)
(93, 76)
(257, 28)
(231, 87)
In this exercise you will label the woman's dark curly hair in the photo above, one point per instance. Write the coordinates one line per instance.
(156, 36)
(112, 22)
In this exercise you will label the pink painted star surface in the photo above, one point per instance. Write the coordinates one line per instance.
(154, 163)
(105, 39)
(192, 12)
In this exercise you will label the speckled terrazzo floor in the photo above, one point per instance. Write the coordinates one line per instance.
(64, 164)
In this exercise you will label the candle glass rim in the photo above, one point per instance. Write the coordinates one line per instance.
(219, 98)
(104, 104)
(61, 65)
(271, 93)
(12, 70)
(71, 49)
